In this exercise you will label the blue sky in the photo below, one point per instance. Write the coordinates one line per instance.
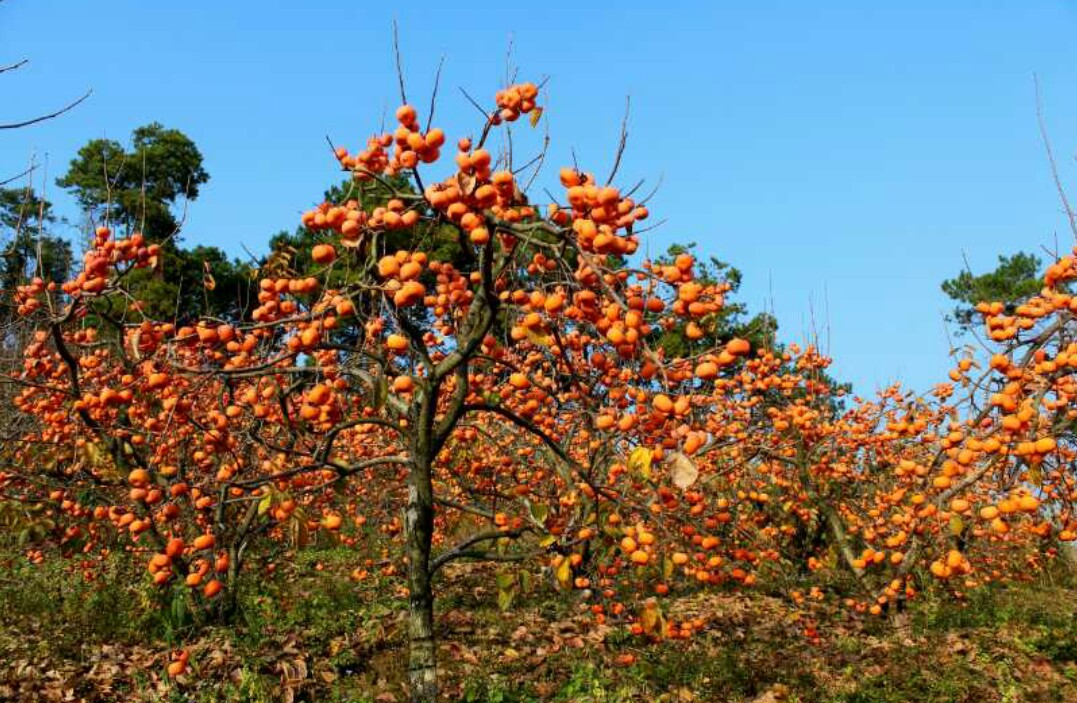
(845, 156)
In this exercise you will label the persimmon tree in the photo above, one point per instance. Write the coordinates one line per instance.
(968, 484)
(487, 395)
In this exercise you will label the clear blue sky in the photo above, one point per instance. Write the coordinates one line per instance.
(844, 155)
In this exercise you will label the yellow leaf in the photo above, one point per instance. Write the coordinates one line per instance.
(651, 619)
(543, 340)
(93, 454)
(536, 115)
(564, 573)
(957, 525)
(832, 557)
(639, 461)
(540, 511)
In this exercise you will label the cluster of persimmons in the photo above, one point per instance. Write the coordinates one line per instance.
(512, 403)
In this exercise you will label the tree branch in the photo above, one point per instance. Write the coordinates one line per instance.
(461, 549)
(27, 123)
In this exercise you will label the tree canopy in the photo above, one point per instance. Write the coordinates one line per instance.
(28, 246)
(1017, 278)
(136, 188)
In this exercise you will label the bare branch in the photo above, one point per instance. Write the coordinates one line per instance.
(475, 103)
(623, 141)
(434, 95)
(651, 194)
(461, 549)
(27, 123)
(399, 65)
(16, 177)
(1051, 158)
(15, 66)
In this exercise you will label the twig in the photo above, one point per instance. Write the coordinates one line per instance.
(631, 191)
(623, 141)
(510, 70)
(1051, 158)
(541, 161)
(18, 176)
(474, 102)
(27, 123)
(434, 95)
(644, 199)
(15, 66)
(399, 65)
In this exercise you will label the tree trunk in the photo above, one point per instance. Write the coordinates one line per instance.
(419, 522)
(899, 616)
(230, 603)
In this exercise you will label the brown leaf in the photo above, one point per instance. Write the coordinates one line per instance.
(682, 471)
(465, 183)
(207, 277)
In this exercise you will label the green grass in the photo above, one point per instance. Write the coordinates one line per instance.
(1004, 644)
